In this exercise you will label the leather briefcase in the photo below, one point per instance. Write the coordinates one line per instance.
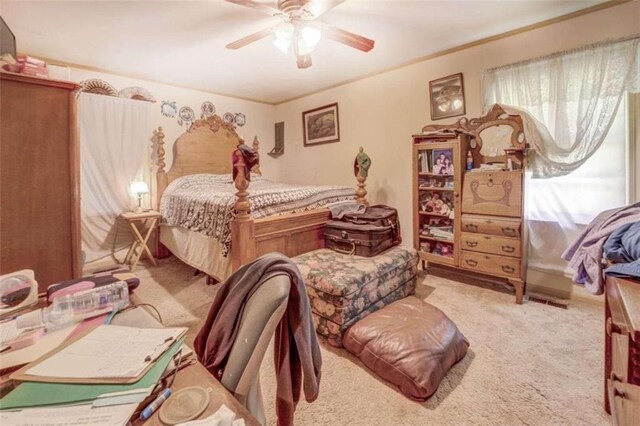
(358, 239)
(379, 215)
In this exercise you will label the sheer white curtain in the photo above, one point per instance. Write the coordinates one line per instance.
(575, 94)
(114, 151)
(578, 166)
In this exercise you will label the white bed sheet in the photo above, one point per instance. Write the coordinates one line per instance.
(196, 250)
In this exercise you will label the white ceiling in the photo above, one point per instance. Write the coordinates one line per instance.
(182, 42)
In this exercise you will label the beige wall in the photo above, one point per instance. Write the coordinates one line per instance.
(381, 112)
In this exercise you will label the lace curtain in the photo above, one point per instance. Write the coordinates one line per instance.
(574, 94)
(114, 151)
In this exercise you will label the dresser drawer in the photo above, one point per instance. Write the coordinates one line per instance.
(491, 225)
(491, 244)
(619, 352)
(491, 264)
(493, 193)
(625, 403)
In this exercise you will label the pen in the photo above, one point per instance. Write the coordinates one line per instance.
(151, 408)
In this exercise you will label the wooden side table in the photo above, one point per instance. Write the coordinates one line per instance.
(138, 222)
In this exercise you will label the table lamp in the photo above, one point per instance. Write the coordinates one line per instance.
(139, 188)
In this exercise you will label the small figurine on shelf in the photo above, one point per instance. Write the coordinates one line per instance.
(440, 207)
(469, 161)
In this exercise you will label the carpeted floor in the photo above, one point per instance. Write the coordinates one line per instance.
(531, 364)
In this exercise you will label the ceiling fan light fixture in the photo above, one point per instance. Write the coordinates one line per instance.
(311, 36)
(283, 35)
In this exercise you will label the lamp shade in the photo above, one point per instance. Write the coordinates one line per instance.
(138, 188)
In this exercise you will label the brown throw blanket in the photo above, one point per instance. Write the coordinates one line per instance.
(297, 353)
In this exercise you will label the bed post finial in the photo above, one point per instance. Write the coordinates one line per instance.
(161, 175)
(243, 205)
(243, 245)
(256, 148)
(361, 170)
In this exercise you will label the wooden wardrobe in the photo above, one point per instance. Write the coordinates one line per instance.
(39, 178)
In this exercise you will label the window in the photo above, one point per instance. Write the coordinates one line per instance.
(601, 183)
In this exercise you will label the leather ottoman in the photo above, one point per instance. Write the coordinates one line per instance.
(343, 289)
(410, 344)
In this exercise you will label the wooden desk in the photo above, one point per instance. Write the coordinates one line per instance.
(197, 375)
(194, 375)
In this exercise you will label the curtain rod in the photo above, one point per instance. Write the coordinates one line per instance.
(599, 44)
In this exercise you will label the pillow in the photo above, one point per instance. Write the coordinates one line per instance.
(408, 343)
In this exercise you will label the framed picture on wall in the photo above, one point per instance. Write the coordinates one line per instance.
(321, 125)
(447, 97)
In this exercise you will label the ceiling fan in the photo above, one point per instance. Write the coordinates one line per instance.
(300, 30)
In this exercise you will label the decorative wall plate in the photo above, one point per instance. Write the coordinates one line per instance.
(228, 118)
(169, 108)
(97, 86)
(240, 119)
(138, 93)
(186, 114)
(208, 109)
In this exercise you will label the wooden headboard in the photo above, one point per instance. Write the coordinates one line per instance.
(205, 148)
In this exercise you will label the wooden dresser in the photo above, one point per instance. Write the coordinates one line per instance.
(492, 239)
(488, 233)
(622, 351)
(39, 178)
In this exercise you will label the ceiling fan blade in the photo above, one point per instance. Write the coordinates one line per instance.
(303, 61)
(250, 38)
(318, 7)
(345, 37)
(259, 6)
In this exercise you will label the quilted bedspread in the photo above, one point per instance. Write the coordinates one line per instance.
(204, 202)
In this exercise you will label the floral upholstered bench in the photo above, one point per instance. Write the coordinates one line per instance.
(344, 289)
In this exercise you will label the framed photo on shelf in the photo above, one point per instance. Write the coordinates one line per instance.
(442, 162)
(321, 125)
(447, 97)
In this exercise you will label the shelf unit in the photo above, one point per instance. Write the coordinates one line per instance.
(437, 185)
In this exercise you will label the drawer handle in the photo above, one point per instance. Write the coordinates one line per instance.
(611, 327)
(618, 394)
(508, 269)
(471, 262)
(508, 249)
(471, 243)
(471, 227)
(509, 231)
(615, 378)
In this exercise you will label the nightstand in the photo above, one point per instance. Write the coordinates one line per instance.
(143, 223)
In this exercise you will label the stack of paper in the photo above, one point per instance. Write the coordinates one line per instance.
(106, 354)
(100, 378)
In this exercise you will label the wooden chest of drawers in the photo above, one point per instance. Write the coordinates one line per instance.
(622, 351)
(492, 240)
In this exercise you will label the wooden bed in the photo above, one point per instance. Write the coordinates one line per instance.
(210, 146)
